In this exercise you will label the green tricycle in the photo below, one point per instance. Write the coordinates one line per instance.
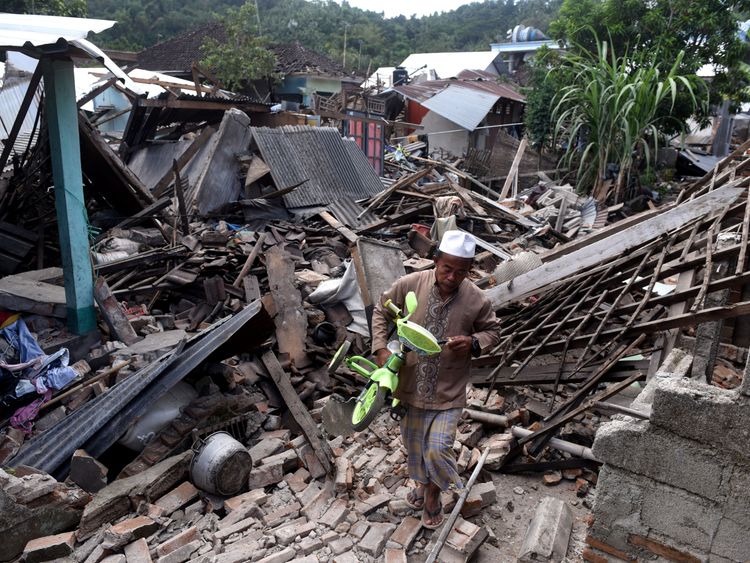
(341, 416)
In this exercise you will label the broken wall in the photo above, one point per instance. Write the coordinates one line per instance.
(676, 485)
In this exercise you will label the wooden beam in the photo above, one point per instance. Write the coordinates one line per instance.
(513, 169)
(291, 319)
(298, 411)
(346, 232)
(203, 105)
(610, 247)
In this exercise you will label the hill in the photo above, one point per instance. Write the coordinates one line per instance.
(372, 39)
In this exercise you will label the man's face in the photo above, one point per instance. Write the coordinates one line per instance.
(450, 271)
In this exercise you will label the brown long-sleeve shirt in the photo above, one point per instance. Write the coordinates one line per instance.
(437, 382)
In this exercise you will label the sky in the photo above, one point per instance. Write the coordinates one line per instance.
(393, 8)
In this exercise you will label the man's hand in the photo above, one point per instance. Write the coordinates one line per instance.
(381, 356)
(459, 344)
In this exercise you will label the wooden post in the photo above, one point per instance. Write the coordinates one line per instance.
(298, 410)
(513, 169)
(72, 219)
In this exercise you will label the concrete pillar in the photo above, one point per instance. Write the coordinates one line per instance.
(72, 219)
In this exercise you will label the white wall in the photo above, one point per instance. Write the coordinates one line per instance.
(455, 143)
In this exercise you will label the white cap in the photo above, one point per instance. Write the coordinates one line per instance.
(458, 243)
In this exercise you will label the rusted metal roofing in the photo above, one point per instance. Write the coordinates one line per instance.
(316, 159)
(348, 211)
(464, 101)
(422, 91)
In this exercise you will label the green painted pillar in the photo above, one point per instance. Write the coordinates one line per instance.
(72, 219)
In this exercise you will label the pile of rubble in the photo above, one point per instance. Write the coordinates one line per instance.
(233, 259)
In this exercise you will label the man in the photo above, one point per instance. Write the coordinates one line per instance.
(433, 388)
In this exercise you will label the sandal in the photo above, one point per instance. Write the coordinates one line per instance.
(415, 501)
(432, 516)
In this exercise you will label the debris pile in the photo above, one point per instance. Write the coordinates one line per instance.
(232, 258)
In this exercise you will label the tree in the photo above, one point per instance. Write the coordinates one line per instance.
(613, 111)
(72, 8)
(706, 32)
(243, 56)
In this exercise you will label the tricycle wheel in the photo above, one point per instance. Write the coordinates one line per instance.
(368, 406)
(339, 356)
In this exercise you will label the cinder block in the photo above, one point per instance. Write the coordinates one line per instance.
(646, 450)
(695, 410)
(737, 504)
(732, 540)
(548, 533)
(679, 515)
(619, 497)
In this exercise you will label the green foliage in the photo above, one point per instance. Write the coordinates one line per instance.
(320, 24)
(543, 85)
(614, 109)
(705, 32)
(243, 57)
(71, 8)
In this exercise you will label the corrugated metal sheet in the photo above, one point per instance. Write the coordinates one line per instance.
(367, 174)
(423, 91)
(347, 211)
(318, 155)
(11, 97)
(25, 30)
(463, 106)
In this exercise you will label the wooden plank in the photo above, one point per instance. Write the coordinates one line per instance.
(252, 288)
(513, 169)
(345, 231)
(250, 259)
(657, 325)
(631, 238)
(397, 218)
(118, 323)
(291, 318)
(96, 91)
(204, 105)
(299, 412)
(126, 176)
(397, 185)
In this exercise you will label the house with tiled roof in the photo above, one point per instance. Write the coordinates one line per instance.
(302, 72)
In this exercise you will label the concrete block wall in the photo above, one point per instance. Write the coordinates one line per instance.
(675, 487)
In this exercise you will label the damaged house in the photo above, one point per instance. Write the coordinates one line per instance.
(302, 73)
(175, 292)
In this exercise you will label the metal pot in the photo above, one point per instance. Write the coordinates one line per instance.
(220, 465)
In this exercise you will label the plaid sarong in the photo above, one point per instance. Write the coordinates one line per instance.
(428, 436)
